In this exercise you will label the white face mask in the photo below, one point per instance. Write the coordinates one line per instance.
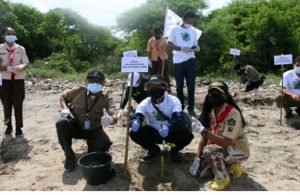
(187, 25)
(297, 70)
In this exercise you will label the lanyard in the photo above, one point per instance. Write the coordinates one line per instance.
(87, 110)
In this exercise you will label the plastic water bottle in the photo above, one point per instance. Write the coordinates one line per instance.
(197, 127)
(195, 166)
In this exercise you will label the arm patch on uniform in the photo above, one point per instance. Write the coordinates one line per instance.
(230, 129)
(231, 122)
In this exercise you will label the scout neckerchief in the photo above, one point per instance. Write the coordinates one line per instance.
(87, 123)
(11, 59)
(219, 120)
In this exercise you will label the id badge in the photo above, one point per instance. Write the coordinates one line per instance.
(87, 124)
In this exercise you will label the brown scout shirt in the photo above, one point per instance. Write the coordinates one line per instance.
(20, 60)
(157, 48)
(250, 74)
(76, 99)
(232, 128)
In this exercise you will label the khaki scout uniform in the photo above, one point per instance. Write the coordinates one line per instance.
(97, 139)
(12, 90)
(237, 152)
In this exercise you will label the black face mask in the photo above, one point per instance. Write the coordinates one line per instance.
(156, 93)
(157, 37)
(217, 100)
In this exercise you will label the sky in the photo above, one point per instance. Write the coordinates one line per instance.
(99, 12)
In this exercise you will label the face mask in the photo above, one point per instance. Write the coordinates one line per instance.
(297, 70)
(94, 87)
(156, 93)
(157, 37)
(217, 100)
(11, 38)
(187, 25)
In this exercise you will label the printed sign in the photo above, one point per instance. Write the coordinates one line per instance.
(134, 64)
(235, 52)
(132, 53)
(283, 59)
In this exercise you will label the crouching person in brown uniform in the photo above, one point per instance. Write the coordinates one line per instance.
(86, 110)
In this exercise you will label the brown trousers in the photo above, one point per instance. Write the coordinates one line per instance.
(12, 93)
(157, 69)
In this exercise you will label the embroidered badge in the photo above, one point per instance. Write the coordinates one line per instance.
(230, 129)
(231, 122)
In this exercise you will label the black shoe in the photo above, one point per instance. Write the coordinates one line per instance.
(151, 153)
(70, 164)
(176, 156)
(19, 133)
(8, 131)
(192, 112)
(298, 111)
(288, 114)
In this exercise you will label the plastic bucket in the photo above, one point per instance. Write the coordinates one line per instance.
(96, 167)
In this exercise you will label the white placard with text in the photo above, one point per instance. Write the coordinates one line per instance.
(134, 64)
(283, 59)
(132, 53)
(235, 52)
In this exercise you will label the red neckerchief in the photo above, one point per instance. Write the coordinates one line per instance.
(11, 59)
(219, 120)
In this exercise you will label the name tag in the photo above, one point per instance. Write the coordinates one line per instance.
(87, 124)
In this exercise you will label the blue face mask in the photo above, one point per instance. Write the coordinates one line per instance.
(11, 38)
(94, 87)
(297, 70)
(187, 25)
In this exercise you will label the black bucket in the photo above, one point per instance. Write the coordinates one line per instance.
(96, 167)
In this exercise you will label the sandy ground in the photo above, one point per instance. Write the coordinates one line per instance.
(36, 162)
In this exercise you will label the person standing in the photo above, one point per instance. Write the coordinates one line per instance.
(158, 56)
(12, 90)
(184, 43)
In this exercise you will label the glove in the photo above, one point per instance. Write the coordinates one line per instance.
(164, 131)
(197, 48)
(150, 63)
(11, 69)
(65, 113)
(106, 119)
(186, 49)
(121, 114)
(135, 126)
(195, 166)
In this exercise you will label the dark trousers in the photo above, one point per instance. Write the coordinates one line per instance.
(186, 70)
(148, 137)
(12, 94)
(254, 84)
(97, 139)
(157, 69)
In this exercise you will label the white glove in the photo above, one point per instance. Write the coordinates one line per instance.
(65, 113)
(197, 49)
(149, 62)
(197, 126)
(11, 69)
(121, 113)
(186, 49)
(106, 119)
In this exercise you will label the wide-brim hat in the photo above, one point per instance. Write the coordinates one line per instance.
(155, 80)
(96, 74)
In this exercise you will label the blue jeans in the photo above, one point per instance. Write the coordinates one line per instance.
(186, 70)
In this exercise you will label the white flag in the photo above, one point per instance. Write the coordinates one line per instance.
(172, 20)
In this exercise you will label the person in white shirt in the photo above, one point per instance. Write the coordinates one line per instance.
(165, 121)
(290, 90)
(184, 43)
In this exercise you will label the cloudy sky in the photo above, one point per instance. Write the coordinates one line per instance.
(99, 12)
